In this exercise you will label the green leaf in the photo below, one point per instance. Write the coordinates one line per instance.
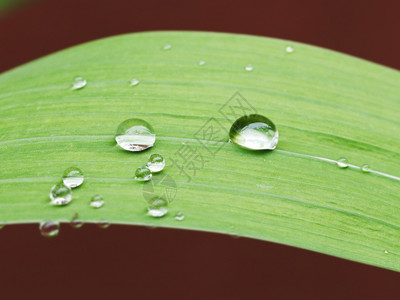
(326, 105)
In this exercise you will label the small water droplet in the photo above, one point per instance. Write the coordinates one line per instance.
(254, 132)
(158, 207)
(179, 216)
(73, 177)
(365, 168)
(134, 82)
(135, 135)
(103, 224)
(143, 174)
(202, 63)
(49, 228)
(386, 252)
(342, 163)
(289, 49)
(156, 163)
(60, 194)
(167, 46)
(97, 201)
(249, 68)
(75, 222)
(79, 83)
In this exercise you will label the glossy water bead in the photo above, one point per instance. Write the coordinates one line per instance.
(179, 216)
(143, 174)
(254, 132)
(342, 163)
(73, 177)
(49, 228)
(60, 194)
(134, 82)
(135, 135)
(79, 83)
(156, 163)
(158, 207)
(97, 201)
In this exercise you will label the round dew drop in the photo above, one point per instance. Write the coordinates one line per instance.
(79, 83)
(249, 68)
(134, 82)
(73, 177)
(289, 49)
(60, 194)
(156, 163)
(179, 216)
(97, 201)
(49, 228)
(342, 163)
(143, 174)
(365, 168)
(254, 132)
(135, 135)
(158, 207)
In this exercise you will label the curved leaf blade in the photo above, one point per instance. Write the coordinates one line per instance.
(326, 105)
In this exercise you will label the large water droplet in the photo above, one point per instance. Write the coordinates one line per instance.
(143, 174)
(249, 68)
(49, 228)
(158, 207)
(254, 132)
(97, 201)
(79, 83)
(73, 177)
(365, 168)
(156, 163)
(289, 49)
(179, 216)
(60, 194)
(134, 82)
(135, 135)
(342, 163)
(75, 221)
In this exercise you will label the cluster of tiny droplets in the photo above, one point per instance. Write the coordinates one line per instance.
(60, 193)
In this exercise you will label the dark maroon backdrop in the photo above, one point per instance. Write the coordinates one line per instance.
(132, 262)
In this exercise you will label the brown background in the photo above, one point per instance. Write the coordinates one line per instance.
(127, 262)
